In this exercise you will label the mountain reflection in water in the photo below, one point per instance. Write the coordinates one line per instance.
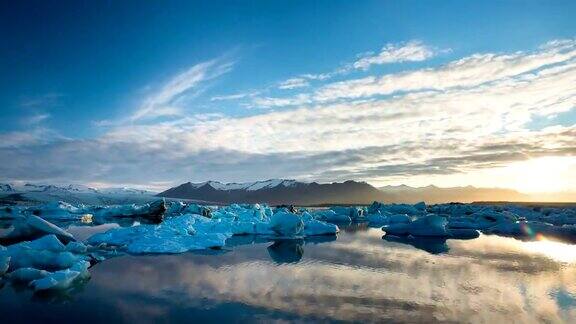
(359, 276)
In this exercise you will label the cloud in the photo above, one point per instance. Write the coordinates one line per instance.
(32, 137)
(234, 96)
(412, 51)
(468, 72)
(42, 102)
(293, 83)
(467, 116)
(166, 101)
(36, 118)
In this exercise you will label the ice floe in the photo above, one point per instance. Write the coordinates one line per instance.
(32, 227)
(45, 263)
(181, 233)
(175, 235)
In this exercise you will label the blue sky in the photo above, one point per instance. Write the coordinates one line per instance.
(245, 90)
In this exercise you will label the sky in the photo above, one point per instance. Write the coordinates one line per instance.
(156, 93)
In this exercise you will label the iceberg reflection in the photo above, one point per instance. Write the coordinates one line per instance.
(286, 251)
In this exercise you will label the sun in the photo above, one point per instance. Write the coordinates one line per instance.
(545, 174)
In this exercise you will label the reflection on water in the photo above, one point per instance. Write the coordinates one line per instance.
(286, 251)
(357, 277)
(434, 245)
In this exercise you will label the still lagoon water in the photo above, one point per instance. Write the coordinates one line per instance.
(357, 277)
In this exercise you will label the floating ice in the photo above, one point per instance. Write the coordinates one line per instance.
(286, 224)
(33, 261)
(76, 247)
(193, 231)
(33, 227)
(153, 212)
(46, 253)
(412, 210)
(353, 213)
(58, 210)
(315, 227)
(11, 212)
(429, 226)
(331, 216)
(62, 279)
(378, 219)
(27, 274)
(4, 264)
(175, 235)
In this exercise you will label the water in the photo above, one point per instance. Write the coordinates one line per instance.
(357, 277)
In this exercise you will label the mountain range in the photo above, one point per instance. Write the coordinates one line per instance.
(273, 191)
(280, 191)
(33, 193)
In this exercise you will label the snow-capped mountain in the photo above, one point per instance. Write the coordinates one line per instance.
(250, 186)
(125, 191)
(48, 188)
(277, 191)
(73, 193)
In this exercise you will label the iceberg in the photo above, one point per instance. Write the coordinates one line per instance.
(57, 210)
(353, 213)
(331, 216)
(4, 264)
(412, 210)
(46, 253)
(315, 227)
(430, 225)
(286, 224)
(60, 280)
(153, 212)
(34, 261)
(463, 233)
(27, 274)
(76, 247)
(33, 227)
(175, 235)
(11, 212)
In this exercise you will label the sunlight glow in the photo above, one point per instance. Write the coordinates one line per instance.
(546, 174)
(550, 174)
(555, 250)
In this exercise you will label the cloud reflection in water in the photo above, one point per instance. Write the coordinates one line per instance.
(358, 277)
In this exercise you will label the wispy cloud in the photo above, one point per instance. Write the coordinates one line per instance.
(165, 102)
(412, 51)
(36, 118)
(235, 96)
(294, 83)
(44, 101)
(470, 71)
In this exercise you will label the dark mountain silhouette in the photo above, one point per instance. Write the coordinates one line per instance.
(276, 192)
